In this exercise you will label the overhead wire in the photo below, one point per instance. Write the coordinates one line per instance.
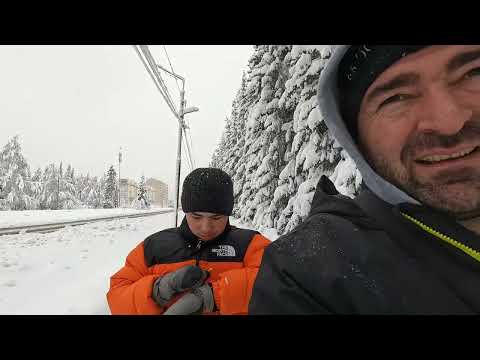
(191, 159)
(188, 147)
(184, 140)
(153, 66)
(162, 88)
(155, 81)
(189, 133)
(171, 67)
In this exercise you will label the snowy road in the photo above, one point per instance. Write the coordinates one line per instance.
(68, 271)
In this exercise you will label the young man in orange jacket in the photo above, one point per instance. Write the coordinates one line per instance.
(203, 266)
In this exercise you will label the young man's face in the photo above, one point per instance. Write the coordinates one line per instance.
(206, 226)
(419, 127)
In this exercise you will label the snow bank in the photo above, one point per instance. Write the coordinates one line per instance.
(36, 217)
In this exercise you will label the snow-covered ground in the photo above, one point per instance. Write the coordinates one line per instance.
(68, 271)
(36, 217)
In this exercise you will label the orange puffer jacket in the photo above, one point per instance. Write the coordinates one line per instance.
(232, 260)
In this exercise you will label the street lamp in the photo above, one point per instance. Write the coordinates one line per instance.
(190, 109)
(181, 125)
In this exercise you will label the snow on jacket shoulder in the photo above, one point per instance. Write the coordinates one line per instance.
(232, 262)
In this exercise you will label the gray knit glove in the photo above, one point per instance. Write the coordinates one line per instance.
(185, 278)
(195, 302)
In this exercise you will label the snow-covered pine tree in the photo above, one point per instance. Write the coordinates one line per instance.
(110, 190)
(230, 149)
(15, 181)
(272, 164)
(86, 191)
(312, 146)
(270, 118)
(94, 192)
(258, 65)
(80, 188)
(48, 197)
(347, 177)
(141, 202)
(295, 137)
(37, 185)
(66, 189)
(37, 175)
(3, 171)
(235, 165)
(222, 150)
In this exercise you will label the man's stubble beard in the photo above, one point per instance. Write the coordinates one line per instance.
(444, 191)
(461, 201)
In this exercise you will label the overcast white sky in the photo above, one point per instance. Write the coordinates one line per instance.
(79, 104)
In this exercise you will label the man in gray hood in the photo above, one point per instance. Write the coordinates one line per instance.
(409, 116)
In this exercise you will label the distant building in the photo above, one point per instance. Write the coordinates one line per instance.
(123, 192)
(157, 192)
(128, 192)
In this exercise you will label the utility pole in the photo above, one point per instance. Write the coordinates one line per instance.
(58, 189)
(119, 161)
(151, 67)
(181, 126)
(179, 152)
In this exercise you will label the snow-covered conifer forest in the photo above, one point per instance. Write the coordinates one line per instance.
(275, 145)
(54, 187)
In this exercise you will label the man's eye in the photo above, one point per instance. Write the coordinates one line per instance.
(394, 99)
(472, 73)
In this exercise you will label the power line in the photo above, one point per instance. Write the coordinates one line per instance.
(162, 88)
(187, 155)
(151, 62)
(191, 148)
(186, 145)
(155, 69)
(154, 65)
(188, 148)
(157, 79)
(171, 67)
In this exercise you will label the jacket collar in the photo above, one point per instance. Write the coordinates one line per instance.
(193, 240)
(390, 218)
(328, 200)
(441, 222)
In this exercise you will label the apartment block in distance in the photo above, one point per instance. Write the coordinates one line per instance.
(128, 192)
(157, 192)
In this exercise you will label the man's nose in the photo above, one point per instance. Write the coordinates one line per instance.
(443, 112)
(205, 226)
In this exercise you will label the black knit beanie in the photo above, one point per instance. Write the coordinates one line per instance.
(358, 69)
(208, 190)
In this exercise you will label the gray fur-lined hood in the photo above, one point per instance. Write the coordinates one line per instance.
(328, 104)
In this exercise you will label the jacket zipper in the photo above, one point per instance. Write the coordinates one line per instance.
(466, 249)
(197, 257)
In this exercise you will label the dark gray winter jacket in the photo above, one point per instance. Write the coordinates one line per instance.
(342, 261)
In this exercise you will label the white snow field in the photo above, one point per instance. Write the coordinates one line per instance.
(68, 271)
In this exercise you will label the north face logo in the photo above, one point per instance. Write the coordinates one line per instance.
(224, 250)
